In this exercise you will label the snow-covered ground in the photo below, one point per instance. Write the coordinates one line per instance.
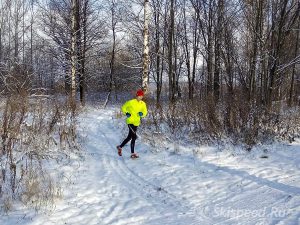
(189, 185)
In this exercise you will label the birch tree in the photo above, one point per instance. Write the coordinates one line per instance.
(146, 58)
(74, 47)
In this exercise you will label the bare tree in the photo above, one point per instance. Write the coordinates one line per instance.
(159, 48)
(206, 17)
(171, 72)
(296, 51)
(146, 58)
(217, 52)
(74, 46)
(280, 9)
(112, 62)
(191, 44)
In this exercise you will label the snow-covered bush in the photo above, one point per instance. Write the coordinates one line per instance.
(34, 130)
(241, 122)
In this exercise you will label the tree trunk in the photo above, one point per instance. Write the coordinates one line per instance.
(157, 12)
(23, 32)
(112, 59)
(9, 35)
(187, 57)
(292, 86)
(146, 58)
(1, 42)
(218, 37)
(176, 67)
(31, 36)
(229, 78)
(195, 55)
(210, 66)
(170, 54)
(74, 49)
(16, 35)
(277, 40)
(257, 32)
(82, 81)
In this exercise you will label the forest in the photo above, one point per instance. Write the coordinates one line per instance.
(212, 70)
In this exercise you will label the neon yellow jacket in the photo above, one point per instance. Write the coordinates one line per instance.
(134, 107)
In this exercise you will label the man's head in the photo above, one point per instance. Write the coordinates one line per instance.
(139, 94)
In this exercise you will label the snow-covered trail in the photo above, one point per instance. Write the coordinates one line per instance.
(179, 189)
(133, 199)
(172, 189)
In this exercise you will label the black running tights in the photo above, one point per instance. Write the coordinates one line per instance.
(131, 136)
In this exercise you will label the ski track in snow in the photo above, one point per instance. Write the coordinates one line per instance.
(170, 189)
(171, 209)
